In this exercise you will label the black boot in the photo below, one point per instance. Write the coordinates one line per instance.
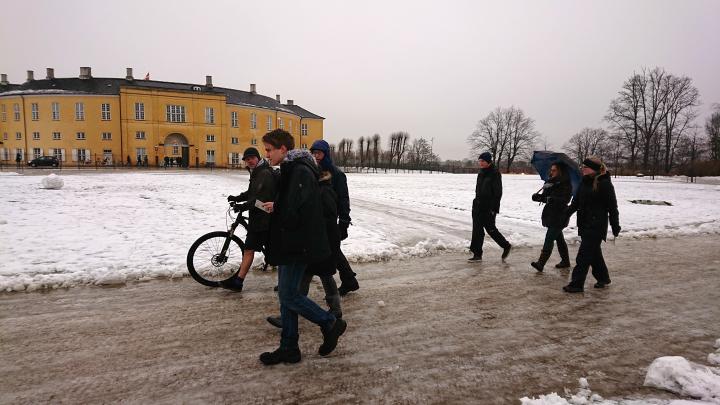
(564, 256)
(506, 252)
(476, 258)
(540, 263)
(570, 289)
(331, 336)
(348, 285)
(281, 355)
(275, 321)
(232, 284)
(333, 303)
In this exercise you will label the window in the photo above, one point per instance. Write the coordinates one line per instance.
(5, 136)
(34, 111)
(80, 136)
(140, 135)
(58, 153)
(56, 136)
(4, 154)
(210, 156)
(253, 141)
(290, 126)
(209, 115)
(235, 141)
(56, 111)
(37, 152)
(3, 113)
(82, 155)
(140, 153)
(280, 123)
(176, 150)
(79, 112)
(16, 111)
(234, 119)
(140, 111)
(303, 146)
(303, 130)
(105, 111)
(107, 136)
(18, 135)
(269, 123)
(107, 156)
(210, 138)
(234, 158)
(175, 113)
(36, 136)
(253, 121)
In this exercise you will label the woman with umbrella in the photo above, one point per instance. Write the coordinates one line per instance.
(555, 194)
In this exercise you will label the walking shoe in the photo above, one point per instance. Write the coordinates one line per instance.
(232, 284)
(564, 264)
(570, 289)
(347, 286)
(506, 252)
(281, 355)
(475, 258)
(331, 336)
(275, 321)
(601, 284)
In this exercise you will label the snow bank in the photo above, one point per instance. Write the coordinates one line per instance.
(53, 182)
(678, 375)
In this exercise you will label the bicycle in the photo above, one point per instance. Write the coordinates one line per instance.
(216, 256)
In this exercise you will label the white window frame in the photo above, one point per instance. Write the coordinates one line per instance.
(79, 111)
(36, 136)
(269, 123)
(58, 153)
(106, 136)
(209, 138)
(235, 140)
(3, 113)
(253, 141)
(107, 153)
(55, 111)
(80, 136)
(303, 129)
(5, 136)
(175, 149)
(34, 111)
(142, 152)
(37, 152)
(82, 155)
(210, 155)
(209, 115)
(139, 111)
(280, 123)
(234, 119)
(18, 136)
(234, 158)
(56, 136)
(105, 112)
(140, 135)
(253, 121)
(16, 111)
(175, 113)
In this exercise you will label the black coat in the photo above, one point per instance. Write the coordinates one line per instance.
(262, 187)
(339, 184)
(297, 228)
(488, 190)
(556, 195)
(594, 208)
(329, 202)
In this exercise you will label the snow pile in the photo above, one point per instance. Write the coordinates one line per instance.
(678, 375)
(53, 182)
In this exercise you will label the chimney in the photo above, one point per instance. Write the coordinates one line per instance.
(3, 79)
(85, 72)
(290, 102)
(208, 81)
(252, 88)
(50, 73)
(277, 98)
(128, 74)
(30, 75)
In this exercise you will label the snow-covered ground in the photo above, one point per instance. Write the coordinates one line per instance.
(105, 228)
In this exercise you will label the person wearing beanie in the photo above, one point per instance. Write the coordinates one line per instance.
(595, 204)
(262, 187)
(321, 152)
(486, 205)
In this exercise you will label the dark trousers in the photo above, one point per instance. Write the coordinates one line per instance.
(344, 270)
(484, 221)
(552, 236)
(589, 255)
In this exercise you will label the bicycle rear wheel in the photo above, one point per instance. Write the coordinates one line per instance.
(207, 265)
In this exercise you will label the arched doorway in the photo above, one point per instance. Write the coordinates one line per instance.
(177, 147)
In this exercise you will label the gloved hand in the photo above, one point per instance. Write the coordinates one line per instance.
(616, 230)
(343, 227)
(239, 208)
(233, 198)
(537, 197)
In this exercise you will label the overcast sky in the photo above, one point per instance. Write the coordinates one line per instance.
(432, 69)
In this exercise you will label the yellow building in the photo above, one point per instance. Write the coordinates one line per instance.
(91, 121)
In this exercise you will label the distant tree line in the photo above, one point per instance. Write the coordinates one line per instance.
(401, 153)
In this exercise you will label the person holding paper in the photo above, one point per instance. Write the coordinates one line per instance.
(261, 189)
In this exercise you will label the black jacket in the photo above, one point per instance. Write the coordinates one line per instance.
(262, 187)
(297, 228)
(339, 185)
(556, 195)
(488, 190)
(594, 208)
(329, 200)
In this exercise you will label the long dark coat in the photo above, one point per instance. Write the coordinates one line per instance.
(595, 207)
(262, 187)
(329, 199)
(556, 195)
(488, 190)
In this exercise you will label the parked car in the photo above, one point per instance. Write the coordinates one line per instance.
(45, 161)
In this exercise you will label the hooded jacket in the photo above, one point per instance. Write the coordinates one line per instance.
(488, 190)
(297, 228)
(595, 208)
(339, 181)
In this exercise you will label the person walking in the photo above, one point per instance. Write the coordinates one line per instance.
(321, 152)
(261, 188)
(297, 238)
(555, 194)
(486, 205)
(595, 204)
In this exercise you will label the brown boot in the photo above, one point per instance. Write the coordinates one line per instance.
(540, 264)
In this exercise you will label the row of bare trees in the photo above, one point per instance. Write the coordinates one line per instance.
(401, 153)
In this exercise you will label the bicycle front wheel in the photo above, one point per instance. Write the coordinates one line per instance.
(208, 264)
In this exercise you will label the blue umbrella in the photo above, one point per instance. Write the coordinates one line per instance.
(543, 159)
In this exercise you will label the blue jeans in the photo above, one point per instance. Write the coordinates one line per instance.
(294, 303)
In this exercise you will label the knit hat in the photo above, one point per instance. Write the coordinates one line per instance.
(326, 163)
(250, 152)
(486, 156)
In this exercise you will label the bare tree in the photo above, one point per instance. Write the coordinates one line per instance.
(345, 150)
(421, 155)
(683, 101)
(587, 142)
(491, 135)
(361, 151)
(375, 151)
(712, 130)
(506, 133)
(522, 135)
(624, 114)
(398, 147)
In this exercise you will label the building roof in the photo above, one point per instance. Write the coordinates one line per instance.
(111, 86)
